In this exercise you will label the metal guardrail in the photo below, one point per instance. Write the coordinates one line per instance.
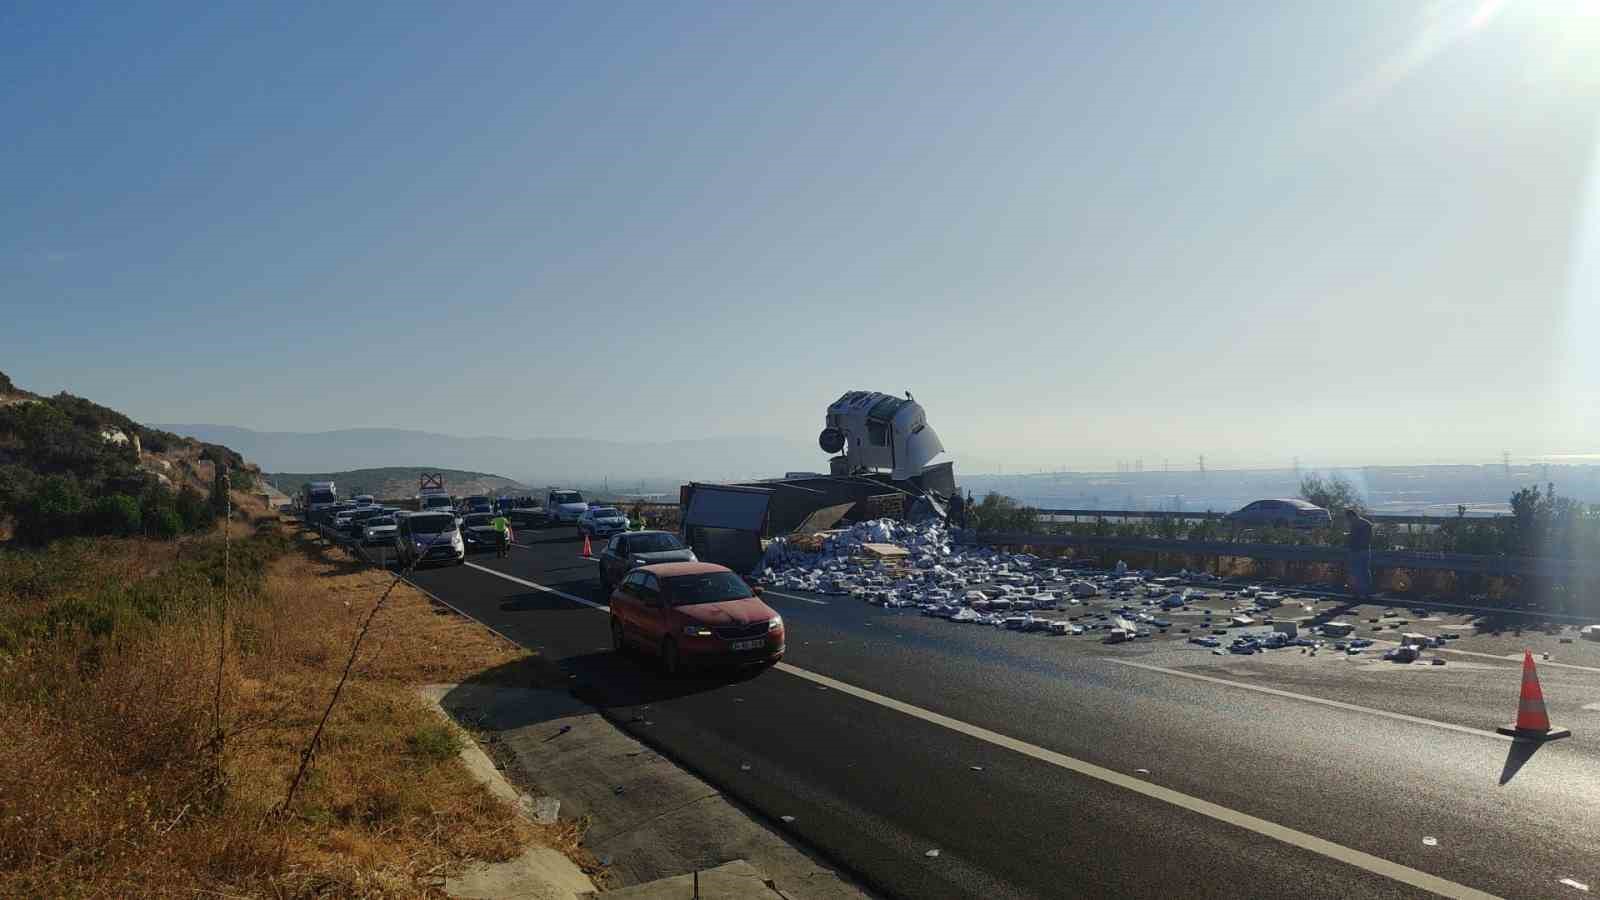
(1091, 514)
(1075, 514)
(1462, 563)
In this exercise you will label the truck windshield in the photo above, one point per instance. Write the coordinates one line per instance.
(322, 497)
(567, 497)
(706, 587)
(435, 502)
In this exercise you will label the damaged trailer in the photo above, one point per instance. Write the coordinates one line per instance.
(882, 462)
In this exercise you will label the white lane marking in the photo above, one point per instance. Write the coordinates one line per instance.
(795, 597)
(1516, 658)
(539, 587)
(1375, 864)
(1337, 704)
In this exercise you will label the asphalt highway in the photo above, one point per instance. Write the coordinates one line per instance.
(1041, 766)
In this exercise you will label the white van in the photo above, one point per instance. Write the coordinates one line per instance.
(564, 505)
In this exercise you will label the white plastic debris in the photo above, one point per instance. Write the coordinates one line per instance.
(1572, 883)
(932, 854)
(786, 819)
(1430, 842)
(546, 810)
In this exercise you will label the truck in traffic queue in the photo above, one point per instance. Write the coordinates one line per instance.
(317, 498)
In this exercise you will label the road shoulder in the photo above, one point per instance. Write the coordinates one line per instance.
(648, 819)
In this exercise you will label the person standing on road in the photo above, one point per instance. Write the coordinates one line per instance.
(1359, 566)
(502, 527)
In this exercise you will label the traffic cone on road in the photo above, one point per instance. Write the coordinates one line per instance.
(1533, 722)
(588, 553)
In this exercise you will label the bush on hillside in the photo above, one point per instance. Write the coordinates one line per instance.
(51, 511)
(163, 522)
(117, 515)
(193, 510)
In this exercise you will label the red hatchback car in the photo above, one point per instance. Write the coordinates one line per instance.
(694, 614)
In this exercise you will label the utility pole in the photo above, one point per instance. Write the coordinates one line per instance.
(1202, 465)
(1505, 461)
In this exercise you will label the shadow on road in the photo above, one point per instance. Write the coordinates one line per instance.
(621, 685)
(533, 537)
(1517, 757)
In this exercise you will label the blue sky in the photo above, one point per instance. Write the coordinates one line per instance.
(1355, 231)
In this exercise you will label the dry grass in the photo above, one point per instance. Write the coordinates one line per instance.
(113, 781)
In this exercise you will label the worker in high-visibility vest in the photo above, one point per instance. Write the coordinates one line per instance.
(502, 527)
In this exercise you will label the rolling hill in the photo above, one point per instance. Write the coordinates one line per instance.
(399, 482)
(536, 461)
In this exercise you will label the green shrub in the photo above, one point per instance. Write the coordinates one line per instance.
(54, 509)
(193, 509)
(117, 515)
(163, 522)
(97, 618)
(434, 743)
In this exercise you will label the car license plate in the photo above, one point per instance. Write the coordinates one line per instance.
(749, 645)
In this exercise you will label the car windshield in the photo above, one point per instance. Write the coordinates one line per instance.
(477, 519)
(605, 512)
(659, 542)
(380, 521)
(705, 587)
(568, 497)
(435, 502)
(431, 524)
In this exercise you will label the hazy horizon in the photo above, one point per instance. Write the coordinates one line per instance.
(807, 456)
(1078, 234)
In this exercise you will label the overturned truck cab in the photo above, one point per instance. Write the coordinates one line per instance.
(877, 432)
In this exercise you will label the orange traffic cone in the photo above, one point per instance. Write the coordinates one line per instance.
(1533, 723)
(588, 553)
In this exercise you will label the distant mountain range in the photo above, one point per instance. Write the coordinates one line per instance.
(654, 465)
(399, 482)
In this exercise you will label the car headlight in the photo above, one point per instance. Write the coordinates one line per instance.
(636, 562)
(775, 624)
(692, 557)
(696, 631)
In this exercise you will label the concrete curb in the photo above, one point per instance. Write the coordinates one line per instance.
(540, 873)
